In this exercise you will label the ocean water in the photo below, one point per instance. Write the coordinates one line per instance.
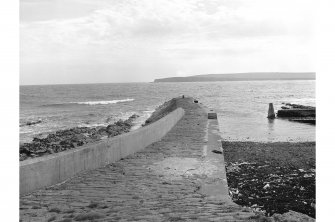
(241, 106)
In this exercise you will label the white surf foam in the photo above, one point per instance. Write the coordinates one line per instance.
(141, 119)
(91, 103)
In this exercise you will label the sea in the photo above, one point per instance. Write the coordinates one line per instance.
(241, 106)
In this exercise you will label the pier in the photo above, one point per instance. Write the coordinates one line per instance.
(180, 177)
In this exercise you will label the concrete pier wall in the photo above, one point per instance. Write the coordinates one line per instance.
(52, 169)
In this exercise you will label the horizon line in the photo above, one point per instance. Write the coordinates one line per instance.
(46, 84)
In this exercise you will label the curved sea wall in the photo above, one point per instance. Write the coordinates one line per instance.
(52, 169)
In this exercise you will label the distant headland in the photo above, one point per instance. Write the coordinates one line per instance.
(250, 76)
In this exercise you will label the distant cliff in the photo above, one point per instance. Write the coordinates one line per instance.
(243, 77)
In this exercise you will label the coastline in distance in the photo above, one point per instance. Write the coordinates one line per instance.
(256, 76)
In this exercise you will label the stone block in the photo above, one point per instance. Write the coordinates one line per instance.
(212, 116)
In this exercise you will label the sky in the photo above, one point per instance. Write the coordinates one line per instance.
(102, 41)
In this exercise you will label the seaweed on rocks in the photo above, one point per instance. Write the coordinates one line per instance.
(295, 112)
(274, 189)
(162, 111)
(71, 138)
(273, 178)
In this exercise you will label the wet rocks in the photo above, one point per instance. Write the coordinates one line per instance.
(296, 110)
(292, 216)
(273, 178)
(70, 138)
(109, 119)
(88, 216)
(277, 192)
(29, 123)
(162, 111)
(298, 113)
(297, 106)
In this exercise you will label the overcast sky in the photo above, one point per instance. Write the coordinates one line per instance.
(93, 41)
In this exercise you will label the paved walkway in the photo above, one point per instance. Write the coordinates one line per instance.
(161, 183)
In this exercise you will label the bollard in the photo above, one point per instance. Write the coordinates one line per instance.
(271, 112)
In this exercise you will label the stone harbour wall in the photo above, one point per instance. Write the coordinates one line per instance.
(45, 171)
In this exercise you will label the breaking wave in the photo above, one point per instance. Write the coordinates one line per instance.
(91, 103)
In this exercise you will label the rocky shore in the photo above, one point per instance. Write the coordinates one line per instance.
(298, 113)
(275, 181)
(78, 136)
(74, 137)
(296, 106)
(273, 178)
(162, 111)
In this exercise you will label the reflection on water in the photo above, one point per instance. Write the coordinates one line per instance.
(271, 128)
(270, 124)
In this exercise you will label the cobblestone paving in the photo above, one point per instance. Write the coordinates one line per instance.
(130, 190)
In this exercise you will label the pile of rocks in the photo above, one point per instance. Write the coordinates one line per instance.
(162, 111)
(272, 189)
(70, 138)
(298, 113)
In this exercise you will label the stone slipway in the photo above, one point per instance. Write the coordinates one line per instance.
(178, 178)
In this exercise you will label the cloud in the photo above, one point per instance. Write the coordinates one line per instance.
(162, 31)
